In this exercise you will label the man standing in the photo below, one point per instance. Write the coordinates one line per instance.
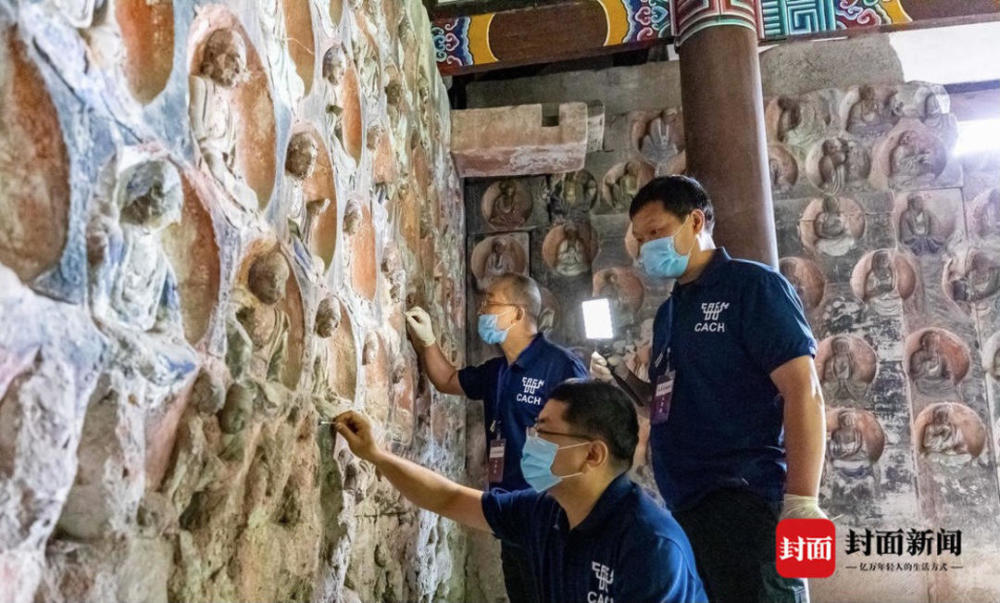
(513, 387)
(588, 532)
(736, 409)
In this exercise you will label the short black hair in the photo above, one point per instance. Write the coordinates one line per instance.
(680, 195)
(603, 411)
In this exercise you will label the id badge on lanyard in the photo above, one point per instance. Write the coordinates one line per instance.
(663, 394)
(498, 447)
(498, 444)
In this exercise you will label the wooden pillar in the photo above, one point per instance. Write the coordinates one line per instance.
(724, 123)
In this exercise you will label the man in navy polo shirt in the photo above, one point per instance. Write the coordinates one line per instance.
(736, 410)
(590, 534)
(513, 387)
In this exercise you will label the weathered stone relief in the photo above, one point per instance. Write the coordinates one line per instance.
(210, 194)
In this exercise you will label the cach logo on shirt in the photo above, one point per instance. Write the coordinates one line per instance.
(711, 322)
(605, 578)
(529, 386)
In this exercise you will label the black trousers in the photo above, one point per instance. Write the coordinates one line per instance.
(732, 533)
(517, 574)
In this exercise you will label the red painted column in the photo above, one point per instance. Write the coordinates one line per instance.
(724, 122)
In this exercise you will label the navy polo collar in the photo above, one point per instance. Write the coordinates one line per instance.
(531, 352)
(606, 505)
(711, 272)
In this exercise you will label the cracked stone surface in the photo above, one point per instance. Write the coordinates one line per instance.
(181, 303)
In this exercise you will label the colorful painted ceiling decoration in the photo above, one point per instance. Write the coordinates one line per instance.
(572, 28)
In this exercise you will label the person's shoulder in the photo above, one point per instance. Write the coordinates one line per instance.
(559, 353)
(749, 273)
(752, 270)
(653, 523)
(529, 500)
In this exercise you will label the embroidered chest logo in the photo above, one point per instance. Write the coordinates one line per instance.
(605, 578)
(712, 321)
(529, 389)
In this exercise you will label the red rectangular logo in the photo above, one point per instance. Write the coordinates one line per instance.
(806, 548)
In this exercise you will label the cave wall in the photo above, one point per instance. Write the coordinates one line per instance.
(212, 216)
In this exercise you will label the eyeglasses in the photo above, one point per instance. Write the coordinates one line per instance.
(535, 432)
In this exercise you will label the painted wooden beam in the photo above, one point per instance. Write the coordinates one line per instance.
(565, 29)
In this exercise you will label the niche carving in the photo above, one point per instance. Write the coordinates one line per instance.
(362, 260)
(265, 328)
(855, 442)
(310, 196)
(972, 280)
(343, 108)
(847, 366)
(807, 279)
(34, 168)
(148, 36)
(506, 204)
(301, 46)
(497, 255)
(621, 183)
(194, 254)
(949, 433)
(883, 279)
(936, 361)
(231, 111)
(925, 220)
(569, 248)
(832, 225)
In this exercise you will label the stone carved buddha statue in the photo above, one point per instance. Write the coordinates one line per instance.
(867, 116)
(880, 288)
(300, 163)
(133, 290)
(507, 210)
(625, 187)
(980, 283)
(571, 255)
(911, 162)
(917, 225)
(275, 36)
(499, 261)
(929, 366)
(223, 66)
(840, 372)
(329, 402)
(833, 236)
(258, 327)
(847, 443)
(941, 435)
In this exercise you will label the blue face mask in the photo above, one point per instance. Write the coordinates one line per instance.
(488, 329)
(537, 457)
(659, 257)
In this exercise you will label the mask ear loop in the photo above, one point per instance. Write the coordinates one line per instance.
(566, 447)
(694, 237)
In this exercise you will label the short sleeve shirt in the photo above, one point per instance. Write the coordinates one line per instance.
(627, 549)
(723, 334)
(514, 395)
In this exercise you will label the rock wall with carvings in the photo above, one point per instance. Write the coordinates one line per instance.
(893, 243)
(212, 216)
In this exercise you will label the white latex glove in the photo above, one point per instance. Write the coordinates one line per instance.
(601, 367)
(419, 323)
(801, 507)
